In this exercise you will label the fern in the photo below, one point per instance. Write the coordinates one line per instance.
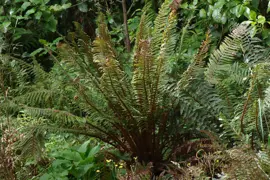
(137, 113)
(236, 69)
(148, 113)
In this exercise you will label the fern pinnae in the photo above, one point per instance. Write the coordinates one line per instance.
(160, 59)
(198, 62)
(142, 78)
(79, 87)
(246, 103)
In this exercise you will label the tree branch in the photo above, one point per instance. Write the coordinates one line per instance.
(127, 40)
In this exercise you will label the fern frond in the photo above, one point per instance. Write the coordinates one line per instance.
(237, 71)
(37, 97)
(161, 24)
(32, 145)
(58, 116)
(196, 67)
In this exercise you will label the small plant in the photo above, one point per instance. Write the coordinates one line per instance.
(85, 162)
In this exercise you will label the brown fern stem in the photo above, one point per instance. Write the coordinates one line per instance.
(246, 105)
(256, 120)
(244, 113)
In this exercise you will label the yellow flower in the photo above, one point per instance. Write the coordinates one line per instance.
(135, 158)
(121, 164)
(217, 161)
(98, 171)
(188, 164)
(108, 160)
(120, 167)
(116, 165)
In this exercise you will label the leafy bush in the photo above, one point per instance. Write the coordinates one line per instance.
(84, 162)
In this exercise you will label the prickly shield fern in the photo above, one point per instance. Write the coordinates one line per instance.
(143, 113)
(239, 70)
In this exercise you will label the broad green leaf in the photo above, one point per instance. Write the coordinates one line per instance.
(110, 19)
(216, 15)
(192, 6)
(16, 37)
(58, 7)
(39, 1)
(80, 171)
(60, 162)
(46, 176)
(202, 13)
(219, 4)
(253, 31)
(94, 151)
(72, 155)
(184, 5)
(224, 19)
(46, 15)
(30, 11)
(1, 10)
(43, 41)
(242, 10)
(83, 7)
(255, 3)
(83, 148)
(25, 5)
(210, 10)
(234, 10)
(261, 19)
(268, 7)
(66, 6)
(5, 26)
(39, 50)
(20, 17)
(88, 160)
(63, 173)
(87, 167)
(252, 15)
(247, 12)
(238, 10)
(51, 24)
(265, 33)
(13, 63)
(38, 15)
(57, 40)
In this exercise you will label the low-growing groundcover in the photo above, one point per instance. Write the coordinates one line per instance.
(78, 163)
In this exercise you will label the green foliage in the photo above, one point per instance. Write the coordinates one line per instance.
(153, 105)
(224, 11)
(83, 162)
(139, 110)
(145, 110)
(17, 12)
(22, 20)
(239, 72)
(222, 15)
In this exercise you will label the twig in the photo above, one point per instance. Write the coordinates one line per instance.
(127, 40)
